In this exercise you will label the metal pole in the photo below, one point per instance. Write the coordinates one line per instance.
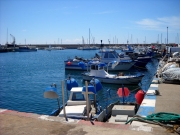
(7, 36)
(89, 36)
(62, 84)
(107, 104)
(66, 90)
(167, 35)
(87, 104)
(123, 92)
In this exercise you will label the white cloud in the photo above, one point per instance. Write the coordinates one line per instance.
(173, 21)
(160, 24)
(24, 30)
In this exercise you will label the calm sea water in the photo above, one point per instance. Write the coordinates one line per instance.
(25, 75)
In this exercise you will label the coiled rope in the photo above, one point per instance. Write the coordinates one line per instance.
(161, 118)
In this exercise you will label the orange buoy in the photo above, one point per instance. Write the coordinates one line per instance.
(139, 96)
(68, 63)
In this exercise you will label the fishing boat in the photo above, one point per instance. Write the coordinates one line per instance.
(107, 56)
(97, 71)
(141, 55)
(79, 105)
(120, 112)
(75, 64)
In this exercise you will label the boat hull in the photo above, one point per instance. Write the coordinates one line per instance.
(25, 49)
(28, 50)
(142, 62)
(73, 65)
(130, 81)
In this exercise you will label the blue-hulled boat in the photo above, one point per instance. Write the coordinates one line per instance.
(141, 56)
(107, 56)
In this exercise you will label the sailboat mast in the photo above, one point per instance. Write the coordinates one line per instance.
(7, 37)
(89, 36)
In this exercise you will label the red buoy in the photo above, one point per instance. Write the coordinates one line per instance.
(124, 92)
(68, 63)
(139, 96)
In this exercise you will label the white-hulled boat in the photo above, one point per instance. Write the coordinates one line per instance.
(97, 71)
(79, 105)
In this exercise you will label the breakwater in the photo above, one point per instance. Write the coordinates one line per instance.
(75, 46)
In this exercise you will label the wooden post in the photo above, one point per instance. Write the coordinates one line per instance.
(62, 84)
(87, 101)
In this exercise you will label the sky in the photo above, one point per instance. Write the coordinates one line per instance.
(71, 21)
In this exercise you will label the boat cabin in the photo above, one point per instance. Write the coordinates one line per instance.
(77, 96)
(98, 70)
(76, 106)
(108, 56)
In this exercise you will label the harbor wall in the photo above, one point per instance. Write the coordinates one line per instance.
(75, 46)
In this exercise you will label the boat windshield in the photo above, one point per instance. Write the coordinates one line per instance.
(94, 67)
(78, 96)
(116, 54)
(110, 55)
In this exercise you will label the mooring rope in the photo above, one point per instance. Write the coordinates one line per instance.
(161, 118)
(116, 96)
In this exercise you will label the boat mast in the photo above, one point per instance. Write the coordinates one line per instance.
(89, 36)
(7, 37)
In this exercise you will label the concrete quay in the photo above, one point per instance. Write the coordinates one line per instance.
(13, 122)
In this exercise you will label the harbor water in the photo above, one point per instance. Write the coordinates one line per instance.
(25, 75)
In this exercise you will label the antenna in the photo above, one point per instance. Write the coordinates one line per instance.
(167, 35)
